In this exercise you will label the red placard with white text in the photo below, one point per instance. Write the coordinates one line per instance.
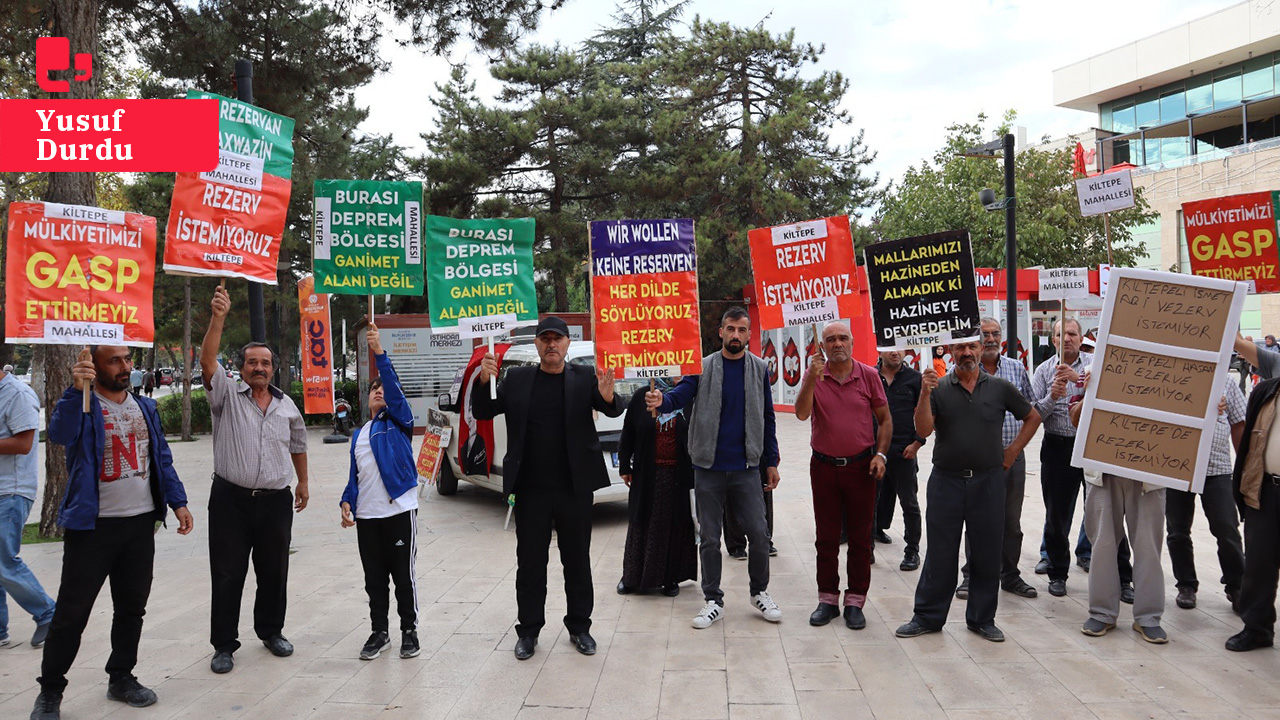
(79, 275)
(317, 349)
(805, 273)
(1234, 238)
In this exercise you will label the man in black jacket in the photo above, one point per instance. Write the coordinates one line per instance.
(553, 465)
(902, 388)
(1256, 482)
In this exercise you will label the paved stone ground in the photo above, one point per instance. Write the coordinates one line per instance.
(651, 663)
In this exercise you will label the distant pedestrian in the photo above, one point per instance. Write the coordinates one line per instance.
(136, 377)
(149, 382)
(380, 501)
(653, 460)
(120, 477)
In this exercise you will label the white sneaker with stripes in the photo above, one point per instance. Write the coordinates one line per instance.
(709, 613)
(767, 607)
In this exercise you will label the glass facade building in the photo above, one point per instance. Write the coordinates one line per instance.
(1196, 119)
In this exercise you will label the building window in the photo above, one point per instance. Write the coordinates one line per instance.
(1200, 93)
(1259, 80)
(1122, 120)
(1147, 114)
(1173, 106)
(1226, 90)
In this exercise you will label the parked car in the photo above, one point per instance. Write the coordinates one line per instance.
(165, 376)
(455, 409)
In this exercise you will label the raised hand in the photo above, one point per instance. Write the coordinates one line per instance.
(83, 372)
(488, 368)
(221, 303)
(375, 341)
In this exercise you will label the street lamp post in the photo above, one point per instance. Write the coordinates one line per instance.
(988, 199)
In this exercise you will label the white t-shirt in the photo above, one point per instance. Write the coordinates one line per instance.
(373, 501)
(124, 480)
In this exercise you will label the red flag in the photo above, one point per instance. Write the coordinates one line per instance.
(1078, 168)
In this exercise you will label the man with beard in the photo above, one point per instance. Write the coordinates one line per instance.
(732, 435)
(1015, 478)
(966, 488)
(902, 389)
(259, 441)
(847, 402)
(120, 477)
(553, 465)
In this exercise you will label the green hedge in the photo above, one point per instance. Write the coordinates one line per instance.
(202, 421)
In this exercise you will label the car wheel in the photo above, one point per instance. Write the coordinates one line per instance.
(447, 483)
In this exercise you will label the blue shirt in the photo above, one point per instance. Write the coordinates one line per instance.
(19, 412)
(731, 437)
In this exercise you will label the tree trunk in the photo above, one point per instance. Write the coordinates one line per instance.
(186, 358)
(76, 20)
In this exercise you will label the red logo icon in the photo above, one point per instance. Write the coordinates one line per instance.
(53, 54)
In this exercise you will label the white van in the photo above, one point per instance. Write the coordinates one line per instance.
(581, 352)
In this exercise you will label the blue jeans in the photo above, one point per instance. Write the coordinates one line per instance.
(16, 579)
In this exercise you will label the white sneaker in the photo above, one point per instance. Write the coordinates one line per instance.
(767, 606)
(709, 613)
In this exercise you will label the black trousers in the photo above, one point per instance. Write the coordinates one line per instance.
(1015, 485)
(123, 551)
(957, 504)
(389, 549)
(900, 483)
(243, 525)
(1261, 563)
(538, 511)
(1220, 508)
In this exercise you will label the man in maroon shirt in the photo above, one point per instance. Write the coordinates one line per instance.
(843, 396)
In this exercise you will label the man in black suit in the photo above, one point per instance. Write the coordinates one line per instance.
(553, 465)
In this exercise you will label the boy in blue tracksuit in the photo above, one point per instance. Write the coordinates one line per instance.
(380, 501)
(120, 478)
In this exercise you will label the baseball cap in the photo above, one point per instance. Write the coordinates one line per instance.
(551, 323)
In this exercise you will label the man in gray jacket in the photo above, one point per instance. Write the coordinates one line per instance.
(732, 435)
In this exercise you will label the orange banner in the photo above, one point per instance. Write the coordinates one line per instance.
(317, 350)
(805, 273)
(79, 275)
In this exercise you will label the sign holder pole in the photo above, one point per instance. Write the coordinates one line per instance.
(493, 383)
(1106, 225)
(88, 386)
(257, 310)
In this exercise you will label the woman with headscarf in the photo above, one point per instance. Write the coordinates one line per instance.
(653, 459)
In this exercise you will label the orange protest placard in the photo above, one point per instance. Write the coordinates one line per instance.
(805, 273)
(79, 275)
(1234, 238)
(317, 349)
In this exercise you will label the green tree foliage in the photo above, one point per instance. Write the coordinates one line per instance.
(942, 194)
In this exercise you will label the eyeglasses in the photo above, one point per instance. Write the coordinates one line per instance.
(988, 333)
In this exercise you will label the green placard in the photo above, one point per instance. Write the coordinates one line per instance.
(249, 130)
(480, 272)
(368, 237)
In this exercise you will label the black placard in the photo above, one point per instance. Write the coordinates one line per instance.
(923, 290)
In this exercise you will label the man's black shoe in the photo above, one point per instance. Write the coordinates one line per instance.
(278, 646)
(129, 690)
(1057, 588)
(882, 537)
(525, 646)
(1246, 640)
(623, 589)
(584, 643)
(738, 553)
(1042, 567)
(912, 629)
(48, 706)
(825, 613)
(989, 632)
(962, 591)
(853, 617)
(671, 589)
(1186, 598)
(221, 662)
(1020, 587)
(910, 561)
(1126, 593)
(1084, 563)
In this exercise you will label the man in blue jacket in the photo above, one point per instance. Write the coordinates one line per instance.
(380, 501)
(120, 477)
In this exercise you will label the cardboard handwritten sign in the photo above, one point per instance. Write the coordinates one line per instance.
(1234, 238)
(923, 291)
(644, 290)
(1164, 345)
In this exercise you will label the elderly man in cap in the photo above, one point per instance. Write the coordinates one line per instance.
(553, 465)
